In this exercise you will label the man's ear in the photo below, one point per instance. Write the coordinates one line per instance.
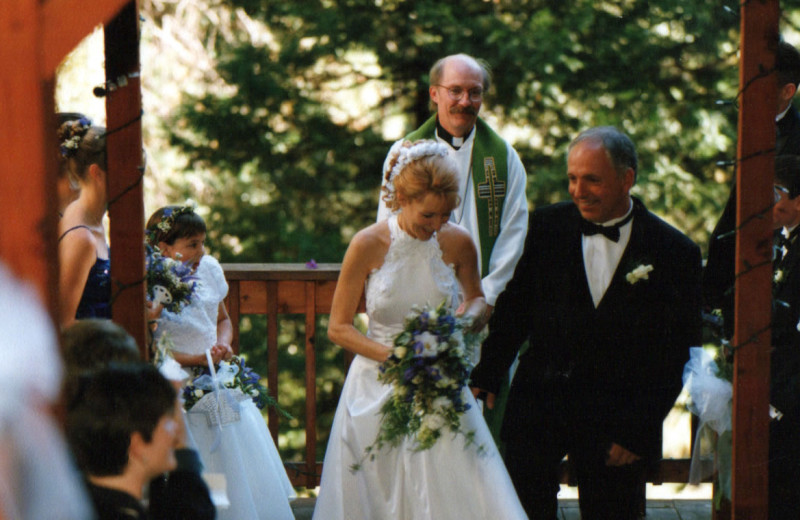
(434, 94)
(630, 178)
(787, 92)
(136, 448)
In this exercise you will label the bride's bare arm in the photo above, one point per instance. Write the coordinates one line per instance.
(459, 249)
(365, 253)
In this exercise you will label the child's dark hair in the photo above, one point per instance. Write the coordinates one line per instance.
(170, 223)
(91, 345)
(109, 406)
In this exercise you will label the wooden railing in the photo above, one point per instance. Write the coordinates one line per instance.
(276, 289)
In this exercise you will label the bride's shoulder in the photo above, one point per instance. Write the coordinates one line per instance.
(455, 236)
(375, 233)
(374, 237)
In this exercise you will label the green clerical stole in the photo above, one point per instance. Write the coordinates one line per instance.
(489, 178)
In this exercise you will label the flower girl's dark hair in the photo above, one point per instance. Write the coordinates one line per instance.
(170, 223)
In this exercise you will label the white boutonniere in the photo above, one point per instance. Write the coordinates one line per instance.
(778, 276)
(640, 273)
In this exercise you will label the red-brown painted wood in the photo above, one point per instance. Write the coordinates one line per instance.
(753, 303)
(125, 193)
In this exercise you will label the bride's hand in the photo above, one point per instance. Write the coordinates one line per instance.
(477, 311)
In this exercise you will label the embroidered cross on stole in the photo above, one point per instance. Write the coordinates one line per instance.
(489, 178)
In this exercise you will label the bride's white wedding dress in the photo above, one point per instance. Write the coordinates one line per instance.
(449, 481)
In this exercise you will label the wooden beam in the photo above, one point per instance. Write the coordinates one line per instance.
(65, 23)
(125, 173)
(753, 300)
(27, 172)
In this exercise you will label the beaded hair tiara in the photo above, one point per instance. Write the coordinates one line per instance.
(408, 154)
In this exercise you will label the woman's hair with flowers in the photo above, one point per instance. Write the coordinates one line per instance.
(80, 145)
(170, 223)
(418, 168)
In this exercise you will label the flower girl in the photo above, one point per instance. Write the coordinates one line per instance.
(231, 435)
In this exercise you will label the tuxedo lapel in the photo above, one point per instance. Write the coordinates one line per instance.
(576, 279)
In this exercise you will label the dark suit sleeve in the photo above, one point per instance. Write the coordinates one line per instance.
(510, 323)
(719, 273)
(182, 494)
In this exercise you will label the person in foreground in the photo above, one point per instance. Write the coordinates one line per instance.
(94, 344)
(414, 257)
(38, 478)
(243, 450)
(121, 427)
(610, 320)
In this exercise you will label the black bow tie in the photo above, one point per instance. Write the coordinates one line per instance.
(610, 232)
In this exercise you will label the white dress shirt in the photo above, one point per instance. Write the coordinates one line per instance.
(601, 256)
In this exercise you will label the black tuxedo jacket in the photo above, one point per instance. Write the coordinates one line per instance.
(785, 358)
(610, 373)
(719, 274)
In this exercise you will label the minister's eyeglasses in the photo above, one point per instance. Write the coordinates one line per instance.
(456, 93)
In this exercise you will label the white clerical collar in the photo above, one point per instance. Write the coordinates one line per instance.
(780, 116)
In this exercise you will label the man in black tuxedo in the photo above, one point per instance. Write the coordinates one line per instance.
(610, 320)
(784, 441)
(719, 274)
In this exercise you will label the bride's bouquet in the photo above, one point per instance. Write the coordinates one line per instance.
(169, 282)
(428, 369)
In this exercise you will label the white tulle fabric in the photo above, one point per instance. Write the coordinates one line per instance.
(37, 478)
(257, 485)
(711, 403)
(448, 481)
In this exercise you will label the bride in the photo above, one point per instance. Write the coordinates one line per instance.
(414, 257)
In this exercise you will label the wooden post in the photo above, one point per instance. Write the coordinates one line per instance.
(753, 301)
(125, 172)
(27, 182)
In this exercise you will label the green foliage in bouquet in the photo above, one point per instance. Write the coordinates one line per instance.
(428, 369)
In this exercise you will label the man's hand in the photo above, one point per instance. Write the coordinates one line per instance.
(619, 456)
(488, 397)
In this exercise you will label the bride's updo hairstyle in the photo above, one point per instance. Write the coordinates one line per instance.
(418, 168)
(81, 144)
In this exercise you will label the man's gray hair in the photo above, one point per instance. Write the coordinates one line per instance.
(619, 147)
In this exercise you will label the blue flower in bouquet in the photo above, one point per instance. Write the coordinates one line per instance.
(235, 375)
(169, 282)
(428, 369)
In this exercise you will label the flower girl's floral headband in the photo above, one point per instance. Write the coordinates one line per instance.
(70, 134)
(167, 220)
(408, 154)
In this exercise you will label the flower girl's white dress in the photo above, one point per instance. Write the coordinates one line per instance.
(448, 481)
(257, 485)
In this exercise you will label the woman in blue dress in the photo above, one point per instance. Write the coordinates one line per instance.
(84, 276)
